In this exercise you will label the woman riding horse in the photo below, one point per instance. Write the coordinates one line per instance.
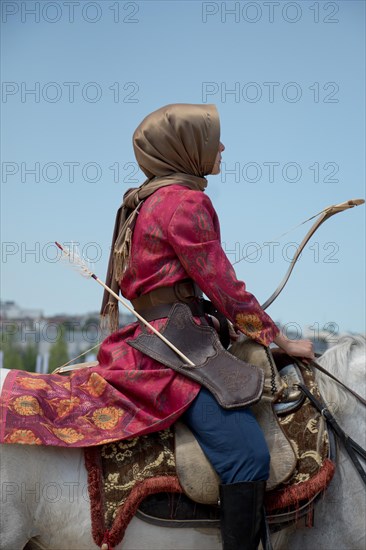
(166, 249)
(176, 237)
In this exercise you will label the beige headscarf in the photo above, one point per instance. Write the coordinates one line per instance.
(177, 143)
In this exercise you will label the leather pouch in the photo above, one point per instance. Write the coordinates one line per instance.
(233, 382)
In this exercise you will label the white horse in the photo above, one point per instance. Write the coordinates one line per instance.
(340, 516)
(45, 498)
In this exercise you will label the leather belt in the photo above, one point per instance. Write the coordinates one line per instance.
(158, 303)
(183, 291)
(163, 310)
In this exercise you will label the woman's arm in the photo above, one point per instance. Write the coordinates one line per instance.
(193, 236)
(195, 240)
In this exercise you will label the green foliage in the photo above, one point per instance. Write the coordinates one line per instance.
(12, 356)
(16, 357)
(58, 351)
(30, 358)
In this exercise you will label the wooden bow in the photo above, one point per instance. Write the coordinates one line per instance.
(325, 214)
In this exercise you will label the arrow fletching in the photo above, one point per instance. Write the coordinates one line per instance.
(79, 264)
(71, 256)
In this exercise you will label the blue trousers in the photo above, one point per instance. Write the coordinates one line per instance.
(231, 439)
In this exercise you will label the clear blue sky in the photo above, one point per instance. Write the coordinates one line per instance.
(288, 79)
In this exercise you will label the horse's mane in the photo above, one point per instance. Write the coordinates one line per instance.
(346, 361)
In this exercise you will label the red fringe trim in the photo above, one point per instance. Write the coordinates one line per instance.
(161, 484)
(292, 496)
(96, 494)
(289, 497)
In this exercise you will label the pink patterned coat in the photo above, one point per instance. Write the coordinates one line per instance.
(177, 235)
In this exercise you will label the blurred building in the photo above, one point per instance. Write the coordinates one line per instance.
(24, 327)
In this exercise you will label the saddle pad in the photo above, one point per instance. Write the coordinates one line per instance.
(121, 475)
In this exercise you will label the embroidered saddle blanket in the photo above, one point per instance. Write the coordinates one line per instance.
(122, 474)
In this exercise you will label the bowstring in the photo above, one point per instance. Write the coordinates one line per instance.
(81, 354)
(279, 237)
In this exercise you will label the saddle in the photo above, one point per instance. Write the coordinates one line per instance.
(303, 454)
(164, 477)
(201, 483)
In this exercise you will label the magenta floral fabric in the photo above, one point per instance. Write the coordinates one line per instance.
(177, 235)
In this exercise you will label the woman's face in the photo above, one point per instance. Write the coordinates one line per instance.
(216, 167)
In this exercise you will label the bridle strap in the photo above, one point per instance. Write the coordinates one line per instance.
(352, 448)
(316, 365)
(324, 371)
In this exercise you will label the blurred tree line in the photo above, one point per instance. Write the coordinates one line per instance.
(18, 357)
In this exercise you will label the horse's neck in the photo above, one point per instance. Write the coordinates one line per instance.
(347, 363)
(3, 374)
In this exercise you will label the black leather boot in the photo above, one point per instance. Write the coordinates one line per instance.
(242, 514)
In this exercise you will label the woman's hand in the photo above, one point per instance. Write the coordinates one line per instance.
(296, 348)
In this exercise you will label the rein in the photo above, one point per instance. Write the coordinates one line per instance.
(324, 371)
(352, 448)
